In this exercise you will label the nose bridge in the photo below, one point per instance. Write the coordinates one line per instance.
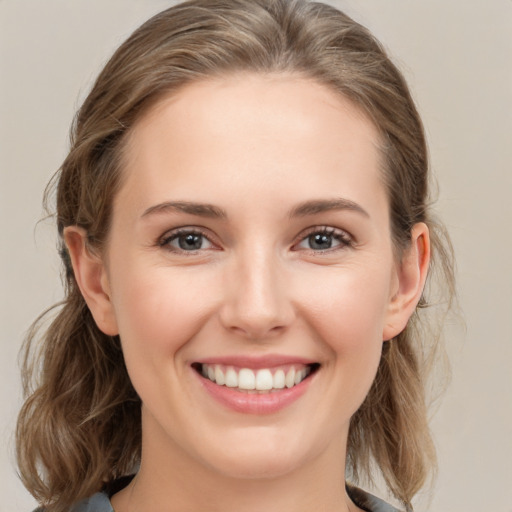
(257, 304)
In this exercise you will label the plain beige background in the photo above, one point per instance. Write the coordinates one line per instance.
(457, 56)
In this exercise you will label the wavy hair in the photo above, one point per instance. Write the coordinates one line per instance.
(79, 428)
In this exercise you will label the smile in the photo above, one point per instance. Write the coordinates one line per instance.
(255, 386)
(263, 380)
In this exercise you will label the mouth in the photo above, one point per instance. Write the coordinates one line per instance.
(256, 381)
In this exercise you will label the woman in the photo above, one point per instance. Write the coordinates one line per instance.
(246, 240)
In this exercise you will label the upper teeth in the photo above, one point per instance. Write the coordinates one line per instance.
(264, 379)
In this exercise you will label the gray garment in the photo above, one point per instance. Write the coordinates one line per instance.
(100, 502)
(369, 502)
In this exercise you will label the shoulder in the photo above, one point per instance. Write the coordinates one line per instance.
(99, 502)
(368, 501)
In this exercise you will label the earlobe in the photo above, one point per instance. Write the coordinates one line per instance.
(92, 279)
(412, 273)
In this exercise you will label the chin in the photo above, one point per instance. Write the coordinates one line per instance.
(258, 456)
(260, 467)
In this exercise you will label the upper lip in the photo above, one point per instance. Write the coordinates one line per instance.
(256, 362)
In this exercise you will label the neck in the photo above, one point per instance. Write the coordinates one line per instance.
(170, 480)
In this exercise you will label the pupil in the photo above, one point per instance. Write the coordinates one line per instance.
(190, 242)
(320, 241)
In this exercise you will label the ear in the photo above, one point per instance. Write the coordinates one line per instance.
(411, 275)
(92, 279)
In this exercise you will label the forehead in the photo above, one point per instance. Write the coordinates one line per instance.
(214, 100)
(288, 132)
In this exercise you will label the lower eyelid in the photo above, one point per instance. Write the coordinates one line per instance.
(171, 236)
(343, 238)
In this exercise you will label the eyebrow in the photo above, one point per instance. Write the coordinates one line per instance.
(199, 209)
(304, 209)
(323, 205)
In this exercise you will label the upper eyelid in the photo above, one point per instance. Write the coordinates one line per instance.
(342, 233)
(331, 230)
(346, 240)
(173, 233)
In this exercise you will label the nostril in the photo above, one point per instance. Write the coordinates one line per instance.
(252, 311)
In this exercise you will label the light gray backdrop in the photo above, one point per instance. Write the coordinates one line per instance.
(457, 56)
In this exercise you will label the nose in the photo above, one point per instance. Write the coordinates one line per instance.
(256, 301)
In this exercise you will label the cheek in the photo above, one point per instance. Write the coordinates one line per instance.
(349, 305)
(158, 311)
(348, 314)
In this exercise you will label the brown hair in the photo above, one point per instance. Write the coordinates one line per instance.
(79, 428)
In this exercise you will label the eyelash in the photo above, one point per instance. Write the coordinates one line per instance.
(344, 239)
(166, 240)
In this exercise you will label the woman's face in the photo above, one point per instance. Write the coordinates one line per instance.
(250, 247)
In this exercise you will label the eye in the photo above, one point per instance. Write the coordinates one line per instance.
(186, 240)
(325, 239)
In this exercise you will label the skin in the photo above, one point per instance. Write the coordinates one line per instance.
(256, 147)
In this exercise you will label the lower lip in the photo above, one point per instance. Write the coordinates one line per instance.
(254, 403)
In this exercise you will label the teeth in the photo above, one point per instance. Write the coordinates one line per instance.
(246, 379)
(290, 378)
(264, 380)
(253, 381)
(231, 378)
(299, 376)
(219, 376)
(279, 379)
